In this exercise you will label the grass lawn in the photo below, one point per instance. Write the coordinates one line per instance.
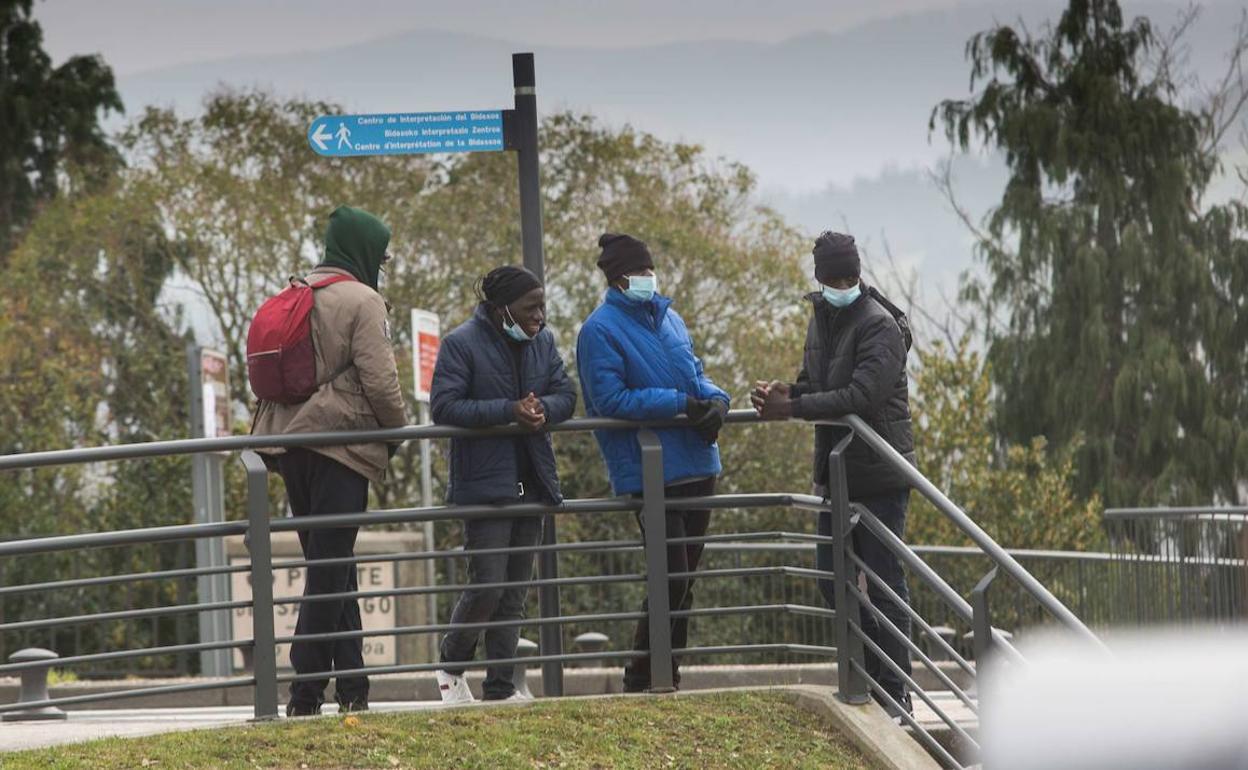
(722, 730)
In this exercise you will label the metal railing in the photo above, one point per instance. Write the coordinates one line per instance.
(847, 648)
(1190, 564)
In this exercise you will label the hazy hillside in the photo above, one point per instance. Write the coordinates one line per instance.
(835, 124)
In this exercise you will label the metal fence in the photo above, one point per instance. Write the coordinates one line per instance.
(1190, 564)
(833, 635)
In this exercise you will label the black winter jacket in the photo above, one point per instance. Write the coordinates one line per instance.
(855, 363)
(475, 384)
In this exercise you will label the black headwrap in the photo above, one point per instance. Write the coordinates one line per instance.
(622, 254)
(504, 285)
(836, 256)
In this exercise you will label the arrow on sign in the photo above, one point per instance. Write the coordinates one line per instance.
(321, 138)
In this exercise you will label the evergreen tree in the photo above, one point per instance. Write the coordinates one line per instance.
(49, 118)
(1120, 296)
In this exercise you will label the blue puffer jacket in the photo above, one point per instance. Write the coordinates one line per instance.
(475, 383)
(636, 362)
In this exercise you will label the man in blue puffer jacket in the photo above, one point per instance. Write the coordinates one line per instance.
(636, 362)
(499, 367)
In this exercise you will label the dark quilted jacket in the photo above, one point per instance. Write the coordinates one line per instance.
(855, 363)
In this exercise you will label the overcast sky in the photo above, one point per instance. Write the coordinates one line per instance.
(139, 35)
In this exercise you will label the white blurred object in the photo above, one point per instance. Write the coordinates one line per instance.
(1164, 700)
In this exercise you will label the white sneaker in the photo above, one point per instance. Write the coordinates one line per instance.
(518, 697)
(453, 689)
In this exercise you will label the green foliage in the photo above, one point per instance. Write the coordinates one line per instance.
(1022, 495)
(89, 356)
(246, 200)
(48, 121)
(1122, 303)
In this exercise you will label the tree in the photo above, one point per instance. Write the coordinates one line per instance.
(1121, 297)
(49, 119)
(89, 355)
(1022, 495)
(239, 188)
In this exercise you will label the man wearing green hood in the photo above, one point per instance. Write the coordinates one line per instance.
(358, 389)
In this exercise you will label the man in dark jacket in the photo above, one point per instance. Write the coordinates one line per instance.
(499, 367)
(636, 362)
(855, 363)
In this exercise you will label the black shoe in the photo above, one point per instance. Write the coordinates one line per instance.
(895, 713)
(295, 709)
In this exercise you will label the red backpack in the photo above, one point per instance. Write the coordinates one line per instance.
(281, 360)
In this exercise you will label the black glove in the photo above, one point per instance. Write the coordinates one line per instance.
(697, 409)
(708, 427)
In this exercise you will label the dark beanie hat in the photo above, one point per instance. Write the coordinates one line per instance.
(504, 285)
(622, 254)
(836, 256)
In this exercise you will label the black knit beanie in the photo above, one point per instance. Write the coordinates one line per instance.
(836, 256)
(504, 285)
(622, 254)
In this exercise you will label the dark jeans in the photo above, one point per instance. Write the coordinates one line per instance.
(682, 557)
(890, 509)
(317, 485)
(481, 605)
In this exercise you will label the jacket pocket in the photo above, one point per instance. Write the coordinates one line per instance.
(351, 401)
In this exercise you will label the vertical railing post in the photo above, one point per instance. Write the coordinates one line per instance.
(981, 619)
(260, 548)
(981, 625)
(654, 522)
(851, 684)
(550, 636)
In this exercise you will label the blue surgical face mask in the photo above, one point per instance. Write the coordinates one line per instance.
(641, 288)
(842, 297)
(513, 329)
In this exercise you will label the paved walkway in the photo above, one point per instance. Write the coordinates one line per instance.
(131, 723)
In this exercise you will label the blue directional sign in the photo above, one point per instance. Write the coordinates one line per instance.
(405, 133)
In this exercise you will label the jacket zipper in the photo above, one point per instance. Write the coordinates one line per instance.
(653, 326)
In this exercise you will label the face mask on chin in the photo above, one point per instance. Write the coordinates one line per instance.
(513, 329)
(641, 288)
(842, 297)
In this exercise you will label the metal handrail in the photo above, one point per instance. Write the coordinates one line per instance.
(651, 506)
(1176, 513)
(981, 538)
(190, 446)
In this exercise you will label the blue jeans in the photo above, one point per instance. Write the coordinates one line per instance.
(890, 509)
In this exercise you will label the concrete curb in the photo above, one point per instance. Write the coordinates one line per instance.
(407, 687)
(884, 742)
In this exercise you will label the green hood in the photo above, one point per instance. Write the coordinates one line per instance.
(356, 241)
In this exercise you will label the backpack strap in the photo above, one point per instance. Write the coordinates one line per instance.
(331, 280)
(903, 323)
(337, 278)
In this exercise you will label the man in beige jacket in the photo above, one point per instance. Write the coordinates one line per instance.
(358, 390)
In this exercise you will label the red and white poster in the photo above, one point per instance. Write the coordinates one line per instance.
(426, 336)
(214, 375)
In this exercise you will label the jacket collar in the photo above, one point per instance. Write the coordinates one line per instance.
(653, 311)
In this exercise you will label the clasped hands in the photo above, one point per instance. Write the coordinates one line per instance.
(529, 412)
(772, 400)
